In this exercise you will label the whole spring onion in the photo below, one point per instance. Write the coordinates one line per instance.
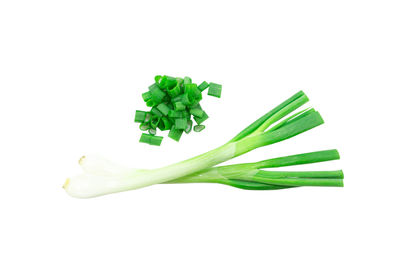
(173, 102)
(101, 177)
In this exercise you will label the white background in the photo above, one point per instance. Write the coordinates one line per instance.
(71, 75)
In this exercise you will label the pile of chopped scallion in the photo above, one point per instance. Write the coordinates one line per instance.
(173, 102)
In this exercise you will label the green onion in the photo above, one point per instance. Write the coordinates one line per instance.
(164, 124)
(215, 90)
(145, 138)
(174, 91)
(101, 177)
(140, 116)
(199, 128)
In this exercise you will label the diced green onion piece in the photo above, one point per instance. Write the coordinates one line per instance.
(175, 114)
(174, 91)
(150, 103)
(164, 124)
(148, 116)
(180, 123)
(163, 108)
(144, 126)
(167, 82)
(177, 98)
(155, 140)
(157, 94)
(175, 134)
(189, 126)
(152, 131)
(154, 121)
(186, 99)
(199, 128)
(186, 114)
(187, 80)
(204, 85)
(215, 90)
(179, 81)
(156, 112)
(140, 116)
(193, 92)
(146, 96)
(197, 112)
(158, 79)
(151, 87)
(179, 106)
(145, 138)
(200, 120)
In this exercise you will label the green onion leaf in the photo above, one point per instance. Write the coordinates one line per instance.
(164, 124)
(144, 126)
(152, 131)
(187, 80)
(157, 94)
(155, 140)
(154, 121)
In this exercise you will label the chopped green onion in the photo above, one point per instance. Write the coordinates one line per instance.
(157, 94)
(175, 134)
(158, 79)
(174, 91)
(167, 82)
(163, 108)
(156, 140)
(180, 123)
(173, 102)
(197, 112)
(164, 124)
(150, 103)
(187, 80)
(200, 120)
(154, 121)
(144, 126)
(152, 131)
(199, 128)
(179, 106)
(175, 114)
(148, 116)
(146, 96)
(145, 138)
(156, 112)
(140, 116)
(215, 90)
(177, 98)
(189, 126)
(204, 85)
